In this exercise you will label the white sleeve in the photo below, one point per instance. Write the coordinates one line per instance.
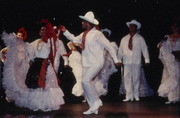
(105, 42)
(62, 52)
(72, 38)
(145, 51)
(120, 52)
(31, 51)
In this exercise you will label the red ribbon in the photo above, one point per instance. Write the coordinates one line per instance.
(130, 45)
(83, 39)
(51, 35)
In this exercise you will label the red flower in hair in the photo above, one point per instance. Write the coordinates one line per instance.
(24, 32)
(50, 30)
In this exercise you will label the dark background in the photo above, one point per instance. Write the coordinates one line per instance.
(156, 16)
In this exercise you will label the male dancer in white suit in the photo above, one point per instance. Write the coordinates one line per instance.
(92, 43)
(131, 48)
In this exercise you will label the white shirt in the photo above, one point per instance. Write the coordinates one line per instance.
(42, 50)
(61, 50)
(133, 56)
(95, 43)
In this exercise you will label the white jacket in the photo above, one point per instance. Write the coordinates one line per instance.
(94, 47)
(42, 50)
(133, 56)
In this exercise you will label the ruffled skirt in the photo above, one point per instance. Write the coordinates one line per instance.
(16, 67)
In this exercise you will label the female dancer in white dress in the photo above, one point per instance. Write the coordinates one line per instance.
(170, 57)
(75, 62)
(47, 95)
(108, 68)
(21, 34)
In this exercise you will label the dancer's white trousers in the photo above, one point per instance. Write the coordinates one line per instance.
(89, 73)
(131, 80)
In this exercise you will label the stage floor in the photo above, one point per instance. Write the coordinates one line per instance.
(151, 107)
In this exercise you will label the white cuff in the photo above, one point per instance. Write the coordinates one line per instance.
(147, 60)
(66, 33)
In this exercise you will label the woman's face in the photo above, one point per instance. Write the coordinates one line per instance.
(43, 32)
(20, 35)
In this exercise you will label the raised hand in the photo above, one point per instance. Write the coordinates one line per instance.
(62, 28)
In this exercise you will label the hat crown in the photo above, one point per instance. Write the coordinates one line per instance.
(89, 15)
(135, 22)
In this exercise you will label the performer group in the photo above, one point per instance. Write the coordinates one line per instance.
(30, 71)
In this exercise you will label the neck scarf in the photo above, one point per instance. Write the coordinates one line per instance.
(130, 45)
(51, 35)
(83, 39)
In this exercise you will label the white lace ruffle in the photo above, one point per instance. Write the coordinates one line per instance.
(77, 89)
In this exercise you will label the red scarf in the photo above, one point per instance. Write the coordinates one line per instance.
(51, 35)
(67, 55)
(83, 39)
(42, 74)
(130, 45)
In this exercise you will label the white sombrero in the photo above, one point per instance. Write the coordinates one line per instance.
(89, 16)
(135, 23)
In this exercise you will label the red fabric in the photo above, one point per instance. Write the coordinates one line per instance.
(70, 52)
(24, 32)
(130, 45)
(51, 56)
(83, 39)
(51, 36)
(58, 31)
(97, 27)
(42, 74)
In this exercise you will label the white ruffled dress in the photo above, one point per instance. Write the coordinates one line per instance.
(75, 62)
(16, 67)
(170, 83)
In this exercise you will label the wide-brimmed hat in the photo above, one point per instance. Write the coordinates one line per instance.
(135, 23)
(89, 16)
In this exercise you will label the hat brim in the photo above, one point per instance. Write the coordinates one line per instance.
(135, 23)
(95, 22)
